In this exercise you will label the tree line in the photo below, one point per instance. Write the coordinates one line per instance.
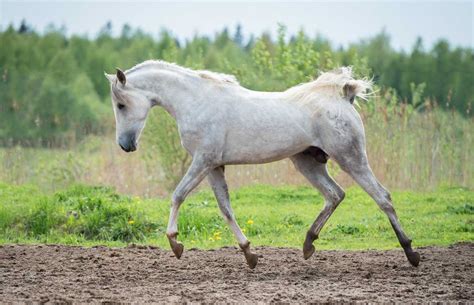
(52, 86)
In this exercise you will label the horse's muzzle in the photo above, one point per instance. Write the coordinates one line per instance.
(128, 143)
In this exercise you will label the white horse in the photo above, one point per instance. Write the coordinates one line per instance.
(221, 123)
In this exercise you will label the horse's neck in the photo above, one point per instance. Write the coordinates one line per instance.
(172, 93)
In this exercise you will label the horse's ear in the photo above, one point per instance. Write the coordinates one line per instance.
(110, 77)
(121, 76)
(350, 92)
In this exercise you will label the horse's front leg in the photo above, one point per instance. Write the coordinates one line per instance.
(196, 172)
(219, 186)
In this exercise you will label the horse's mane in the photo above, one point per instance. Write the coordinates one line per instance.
(159, 64)
(330, 84)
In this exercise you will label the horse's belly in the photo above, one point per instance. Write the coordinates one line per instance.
(264, 145)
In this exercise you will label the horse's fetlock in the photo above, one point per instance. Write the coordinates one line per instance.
(311, 236)
(172, 234)
(245, 246)
(406, 244)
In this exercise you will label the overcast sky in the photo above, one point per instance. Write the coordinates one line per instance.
(340, 22)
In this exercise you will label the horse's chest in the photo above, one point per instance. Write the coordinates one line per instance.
(189, 139)
(200, 136)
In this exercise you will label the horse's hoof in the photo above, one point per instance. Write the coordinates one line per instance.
(178, 249)
(308, 251)
(308, 247)
(413, 258)
(176, 246)
(252, 260)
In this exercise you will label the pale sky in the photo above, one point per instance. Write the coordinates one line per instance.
(340, 22)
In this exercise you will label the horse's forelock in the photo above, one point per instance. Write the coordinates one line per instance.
(117, 92)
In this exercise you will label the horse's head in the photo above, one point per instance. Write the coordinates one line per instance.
(131, 106)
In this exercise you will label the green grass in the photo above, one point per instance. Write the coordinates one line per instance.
(276, 216)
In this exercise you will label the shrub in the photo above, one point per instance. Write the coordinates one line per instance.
(91, 213)
(346, 229)
(45, 216)
(98, 213)
(463, 209)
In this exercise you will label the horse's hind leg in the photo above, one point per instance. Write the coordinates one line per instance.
(219, 186)
(360, 170)
(317, 175)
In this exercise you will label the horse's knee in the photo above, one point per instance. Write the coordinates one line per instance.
(384, 201)
(177, 198)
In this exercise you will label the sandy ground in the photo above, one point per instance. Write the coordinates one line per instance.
(56, 273)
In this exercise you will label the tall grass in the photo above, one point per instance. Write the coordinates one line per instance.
(408, 148)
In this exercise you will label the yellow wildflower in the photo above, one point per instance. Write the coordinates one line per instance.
(250, 222)
(131, 222)
(217, 235)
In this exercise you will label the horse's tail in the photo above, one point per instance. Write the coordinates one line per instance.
(339, 82)
(352, 88)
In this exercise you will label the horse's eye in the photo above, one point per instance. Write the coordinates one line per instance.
(120, 106)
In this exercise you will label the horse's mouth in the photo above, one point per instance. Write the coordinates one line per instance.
(128, 142)
(129, 148)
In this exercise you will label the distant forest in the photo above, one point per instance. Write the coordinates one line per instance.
(52, 85)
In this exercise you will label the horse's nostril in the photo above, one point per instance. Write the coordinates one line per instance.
(123, 148)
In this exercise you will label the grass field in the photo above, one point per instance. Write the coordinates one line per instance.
(276, 216)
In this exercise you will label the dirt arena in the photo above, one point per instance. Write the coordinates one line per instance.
(52, 273)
